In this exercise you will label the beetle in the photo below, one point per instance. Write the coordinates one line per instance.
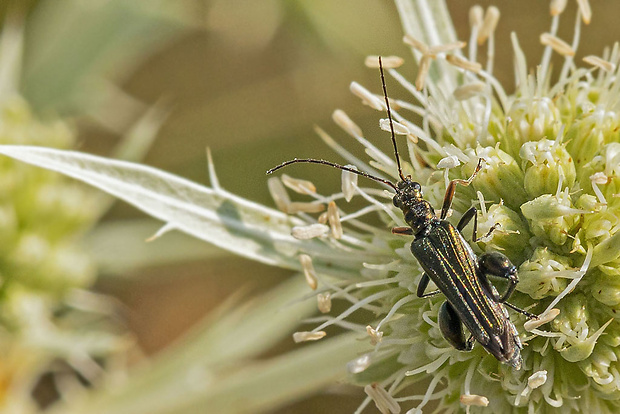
(449, 261)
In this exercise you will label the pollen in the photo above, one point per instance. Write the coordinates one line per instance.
(308, 336)
(585, 10)
(359, 364)
(601, 63)
(420, 79)
(548, 316)
(324, 302)
(375, 336)
(476, 17)
(343, 121)
(322, 218)
(348, 184)
(366, 96)
(475, 400)
(445, 48)
(557, 44)
(399, 129)
(389, 62)
(451, 161)
(309, 232)
(468, 91)
(278, 194)
(333, 217)
(489, 24)
(463, 63)
(299, 186)
(383, 400)
(557, 7)
(298, 207)
(537, 379)
(418, 45)
(309, 272)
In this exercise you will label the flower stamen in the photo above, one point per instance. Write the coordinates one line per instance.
(309, 272)
(308, 336)
(557, 44)
(383, 400)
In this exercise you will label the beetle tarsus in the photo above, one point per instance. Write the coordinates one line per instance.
(521, 311)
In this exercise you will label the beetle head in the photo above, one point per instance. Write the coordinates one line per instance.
(408, 191)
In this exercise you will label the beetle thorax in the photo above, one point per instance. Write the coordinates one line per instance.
(418, 212)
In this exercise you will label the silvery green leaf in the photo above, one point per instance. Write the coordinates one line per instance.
(216, 216)
(135, 142)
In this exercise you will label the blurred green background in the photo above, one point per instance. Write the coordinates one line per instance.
(248, 79)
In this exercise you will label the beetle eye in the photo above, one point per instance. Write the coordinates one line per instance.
(397, 201)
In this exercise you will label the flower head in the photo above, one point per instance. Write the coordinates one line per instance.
(547, 197)
(44, 274)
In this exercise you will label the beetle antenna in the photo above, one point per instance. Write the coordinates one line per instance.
(389, 113)
(332, 164)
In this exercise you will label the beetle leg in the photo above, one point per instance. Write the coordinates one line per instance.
(447, 198)
(491, 230)
(521, 311)
(452, 328)
(498, 265)
(423, 285)
(402, 231)
(464, 221)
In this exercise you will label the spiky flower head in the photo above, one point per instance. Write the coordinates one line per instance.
(47, 313)
(549, 186)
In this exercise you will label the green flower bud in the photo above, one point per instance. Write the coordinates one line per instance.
(551, 217)
(63, 208)
(530, 120)
(67, 268)
(9, 228)
(53, 268)
(580, 331)
(588, 203)
(40, 211)
(601, 174)
(546, 161)
(602, 367)
(600, 226)
(583, 140)
(606, 285)
(21, 127)
(512, 235)
(499, 179)
(545, 274)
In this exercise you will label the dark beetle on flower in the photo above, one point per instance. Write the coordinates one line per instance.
(448, 260)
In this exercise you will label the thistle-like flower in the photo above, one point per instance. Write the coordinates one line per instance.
(548, 186)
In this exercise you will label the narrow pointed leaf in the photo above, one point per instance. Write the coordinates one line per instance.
(216, 216)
